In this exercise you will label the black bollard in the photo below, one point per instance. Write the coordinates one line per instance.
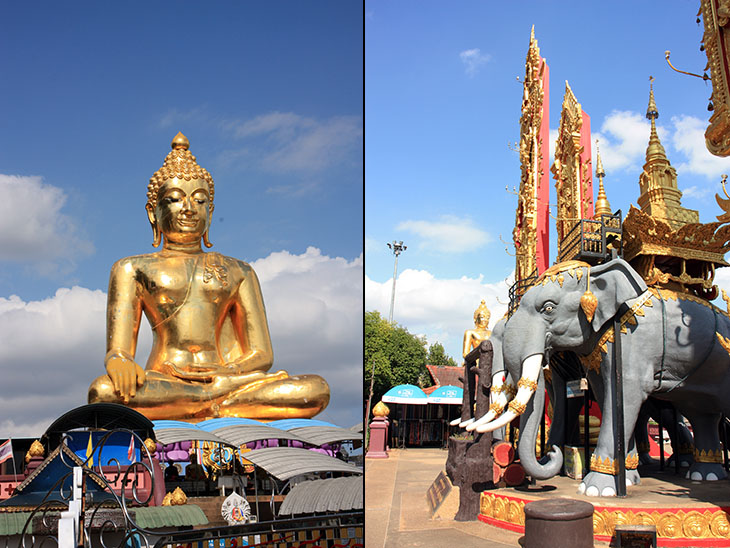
(569, 520)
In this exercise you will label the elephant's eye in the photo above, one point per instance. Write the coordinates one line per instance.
(548, 307)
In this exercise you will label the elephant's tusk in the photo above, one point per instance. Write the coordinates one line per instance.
(527, 385)
(501, 392)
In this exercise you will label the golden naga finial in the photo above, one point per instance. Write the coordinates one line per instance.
(723, 203)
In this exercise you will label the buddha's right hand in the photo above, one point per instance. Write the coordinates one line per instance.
(126, 376)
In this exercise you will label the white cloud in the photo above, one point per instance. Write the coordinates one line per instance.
(284, 142)
(315, 311)
(473, 60)
(696, 192)
(450, 234)
(439, 309)
(689, 138)
(623, 138)
(54, 348)
(47, 234)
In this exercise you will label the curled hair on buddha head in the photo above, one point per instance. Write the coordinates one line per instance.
(179, 163)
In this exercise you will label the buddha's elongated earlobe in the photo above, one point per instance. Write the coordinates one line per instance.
(206, 238)
(156, 236)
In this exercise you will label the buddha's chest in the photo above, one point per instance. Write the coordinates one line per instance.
(202, 283)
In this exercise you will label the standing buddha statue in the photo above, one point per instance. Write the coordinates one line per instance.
(211, 349)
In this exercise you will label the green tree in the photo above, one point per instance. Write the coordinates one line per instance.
(398, 356)
(438, 356)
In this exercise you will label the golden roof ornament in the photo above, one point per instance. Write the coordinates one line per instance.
(151, 445)
(603, 207)
(381, 410)
(36, 450)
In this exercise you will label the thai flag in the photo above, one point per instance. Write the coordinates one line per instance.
(130, 451)
(6, 451)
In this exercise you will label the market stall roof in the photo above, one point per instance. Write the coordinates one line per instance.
(357, 427)
(288, 424)
(214, 424)
(447, 394)
(99, 416)
(287, 462)
(324, 495)
(167, 436)
(406, 393)
(245, 433)
(319, 435)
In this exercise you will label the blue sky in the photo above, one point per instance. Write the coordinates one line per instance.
(270, 95)
(442, 108)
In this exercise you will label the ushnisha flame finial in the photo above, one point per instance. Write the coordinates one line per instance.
(180, 142)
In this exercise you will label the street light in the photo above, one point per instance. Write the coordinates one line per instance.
(397, 248)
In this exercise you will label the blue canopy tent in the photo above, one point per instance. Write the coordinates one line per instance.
(406, 393)
(447, 394)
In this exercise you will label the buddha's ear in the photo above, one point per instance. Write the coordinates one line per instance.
(152, 218)
(206, 238)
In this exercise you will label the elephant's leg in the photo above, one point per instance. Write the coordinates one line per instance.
(641, 435)
(680, 436)
(601, 480)
(708, 463)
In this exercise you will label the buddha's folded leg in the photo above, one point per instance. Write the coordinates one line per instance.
(264, 396)
(300, 396)
(161, 397)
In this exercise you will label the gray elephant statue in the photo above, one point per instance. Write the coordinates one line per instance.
(674, 347)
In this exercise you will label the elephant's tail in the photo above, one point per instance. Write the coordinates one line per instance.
(529, 425)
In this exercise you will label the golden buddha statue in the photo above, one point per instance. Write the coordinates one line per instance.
(473, 337)
(211, 347)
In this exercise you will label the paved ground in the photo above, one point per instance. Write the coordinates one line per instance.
(397, 513)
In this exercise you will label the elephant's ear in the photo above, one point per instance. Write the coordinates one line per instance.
(613, 283)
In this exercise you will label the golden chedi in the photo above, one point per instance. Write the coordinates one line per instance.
(211, 349)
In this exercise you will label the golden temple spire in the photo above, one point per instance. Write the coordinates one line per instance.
(660, 197)
(655, 149)
(603, 207)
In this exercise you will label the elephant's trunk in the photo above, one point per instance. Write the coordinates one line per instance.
(531, 368)
(529, 425)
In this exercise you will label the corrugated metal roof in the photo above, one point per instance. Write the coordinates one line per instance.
(319, 435)
(172, 435)
(240, 434)
(288, 424)
(328, 495)
(150, 517)
(287, 462)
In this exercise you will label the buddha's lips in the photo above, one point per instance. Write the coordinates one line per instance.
(188, 222)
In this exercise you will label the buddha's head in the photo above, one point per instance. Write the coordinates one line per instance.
(481, 316)
(180, 198)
